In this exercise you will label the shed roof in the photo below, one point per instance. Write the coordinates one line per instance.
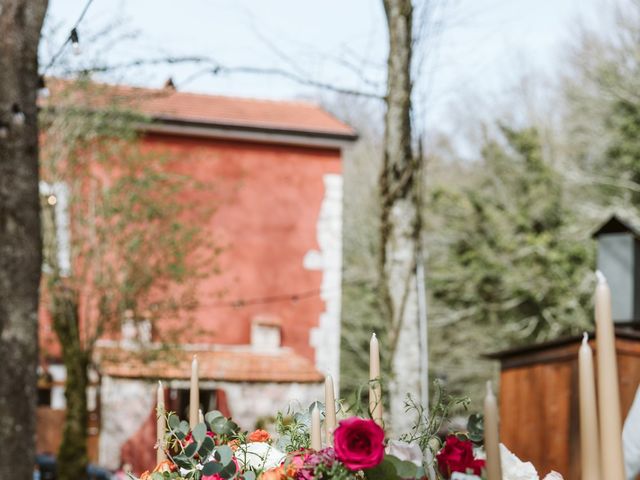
(169, 105)
(229, 364)
(615, 225)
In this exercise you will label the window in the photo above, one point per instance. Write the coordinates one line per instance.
(179, 401)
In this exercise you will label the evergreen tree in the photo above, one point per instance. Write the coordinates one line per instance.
(506, 264)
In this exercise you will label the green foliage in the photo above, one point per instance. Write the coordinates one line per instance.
(506, 266)
(134, 251)
(429, 424)
(201, 455)
(293, 430)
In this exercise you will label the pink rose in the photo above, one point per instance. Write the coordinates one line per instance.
(359, 443)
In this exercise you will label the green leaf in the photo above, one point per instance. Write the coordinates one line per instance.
(183, 461)
(206, 448)
(218, 424)
(191, 449)
(211, 468)
(211, 415)
(174, 421)
(475, 427)
(199, 432)
(184, 427)
(225, 454)
(384, 471)
(229, 471)
(404, 468)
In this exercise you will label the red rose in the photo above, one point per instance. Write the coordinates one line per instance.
(358, 443)
(457, 456)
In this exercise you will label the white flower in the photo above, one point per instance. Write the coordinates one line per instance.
(553, 476)
(464, 476)
(259, 456)
(405, 451)
(515, 469)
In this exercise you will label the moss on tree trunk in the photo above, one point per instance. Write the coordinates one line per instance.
(72, 457)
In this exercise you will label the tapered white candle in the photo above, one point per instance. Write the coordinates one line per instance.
(612, 462)
(160, 425)
(375, 387)
(589, 438)
(316, 438)
(330, 410)
(200, 416)
(492, 435)
(194, 394)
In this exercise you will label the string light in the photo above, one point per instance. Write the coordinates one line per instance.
(75, 40)
(17, 115)
(43, 91)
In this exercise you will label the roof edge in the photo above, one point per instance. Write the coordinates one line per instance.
(251, 133)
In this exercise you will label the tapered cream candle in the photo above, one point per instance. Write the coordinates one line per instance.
(612, 462)
(316, 436)
(589, 438)
(161, 425)
(200, 416)
(492, 435)
(375, 387)
(330, 410)
(194, 394)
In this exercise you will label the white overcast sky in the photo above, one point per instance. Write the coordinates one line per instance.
(482, 47)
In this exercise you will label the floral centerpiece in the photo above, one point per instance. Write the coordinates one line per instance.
(217, 449)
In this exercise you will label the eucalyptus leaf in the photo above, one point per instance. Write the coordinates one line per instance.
(249, 475)
(218, 424)
(206, 448)
(199, 432)
(211, 415)
(211, 468)
(225, 454)
(229, 471)
(174, 421)
(191, 449)
(184, 427)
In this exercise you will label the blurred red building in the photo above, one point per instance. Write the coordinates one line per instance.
(271, 318)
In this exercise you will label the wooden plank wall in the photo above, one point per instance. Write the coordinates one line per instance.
(539, 404)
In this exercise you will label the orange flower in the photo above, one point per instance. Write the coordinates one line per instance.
(259, 436)
(233, 445)
(164, 466)
(277, 473)
(145, 475)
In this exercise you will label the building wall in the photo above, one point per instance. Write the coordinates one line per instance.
(274, 207)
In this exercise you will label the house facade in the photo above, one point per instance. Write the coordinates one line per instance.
(268, 324)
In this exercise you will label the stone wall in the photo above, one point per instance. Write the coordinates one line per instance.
(325, 338)
(127, 404)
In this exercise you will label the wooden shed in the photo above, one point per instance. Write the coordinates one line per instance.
(539, 399)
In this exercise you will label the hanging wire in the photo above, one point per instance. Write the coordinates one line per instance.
(72, 38)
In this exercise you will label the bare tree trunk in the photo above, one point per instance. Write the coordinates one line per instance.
(400, 224)
(20, 242)
(72, 457)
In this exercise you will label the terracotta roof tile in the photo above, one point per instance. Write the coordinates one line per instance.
(232, 365)
(168, 104)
